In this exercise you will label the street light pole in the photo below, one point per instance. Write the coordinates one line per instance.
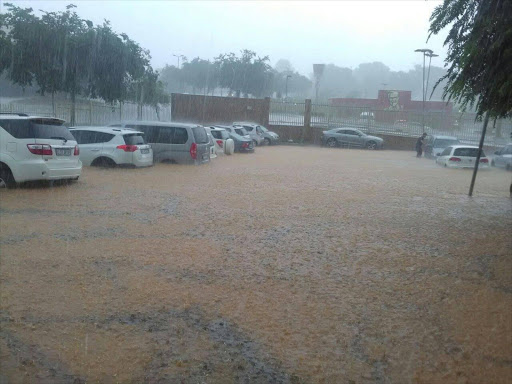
(286, 92)
(425, 51)
(430, 56)
(178, 56)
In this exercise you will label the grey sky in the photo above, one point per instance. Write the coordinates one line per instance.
(344, 33)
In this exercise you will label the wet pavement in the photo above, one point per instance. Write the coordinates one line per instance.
(289, 265)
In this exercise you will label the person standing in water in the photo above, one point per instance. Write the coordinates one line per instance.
(419, 145)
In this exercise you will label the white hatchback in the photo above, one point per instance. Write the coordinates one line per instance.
(36, 148)
(461, 156)
(108, 147)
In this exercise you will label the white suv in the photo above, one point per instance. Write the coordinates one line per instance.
(36, 148)
(108, 147)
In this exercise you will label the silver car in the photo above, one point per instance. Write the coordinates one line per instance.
(350, 137)
(269, 137)
(174, 142)
(503, 157)
(436, 144)
(256, 134)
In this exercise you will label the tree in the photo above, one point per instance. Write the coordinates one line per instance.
(479, 57)
(284, 65)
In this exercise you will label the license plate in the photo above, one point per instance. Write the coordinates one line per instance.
(144, 151)
(63, 152)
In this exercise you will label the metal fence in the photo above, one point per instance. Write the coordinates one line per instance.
(91, 113)
(395, 123)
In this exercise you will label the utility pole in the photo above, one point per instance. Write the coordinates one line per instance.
(425, 51)
(178, 56)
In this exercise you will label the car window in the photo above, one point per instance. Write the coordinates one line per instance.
(163, 135)
(447, 151)
(341, 131)
(50, 129)
(77, 134)
(350, 132)
(20, 129)
(133, 139)
(200, 135)
(443, 143)
(103, 137)
(240, 131)
(248, 129)
(217, 134)
(467, 152)
(180, 136)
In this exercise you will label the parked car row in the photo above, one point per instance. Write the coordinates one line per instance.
(43, 148)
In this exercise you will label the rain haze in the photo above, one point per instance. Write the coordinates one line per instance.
(344, 33)
(219, 212)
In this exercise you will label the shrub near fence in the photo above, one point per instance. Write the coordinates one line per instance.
(91, 113)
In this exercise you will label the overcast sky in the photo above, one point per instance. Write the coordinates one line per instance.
(344, 33)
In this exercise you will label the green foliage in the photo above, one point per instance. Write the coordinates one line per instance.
(61, 52)
(479, 57)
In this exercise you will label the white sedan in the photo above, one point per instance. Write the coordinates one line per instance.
(461, 156)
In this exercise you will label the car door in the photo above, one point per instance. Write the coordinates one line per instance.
(506, 156)
(90, 149)
(352, 138)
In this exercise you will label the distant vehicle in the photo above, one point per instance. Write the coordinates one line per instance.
(269, 137)
(173, 142)
(436, 144)
(213, 152)
(223, 143)
(350, 137)
(109, 147)
(461, 156)
(367, 115)
(36, 148)
(503, 157)
(256, 134)
(243, 143)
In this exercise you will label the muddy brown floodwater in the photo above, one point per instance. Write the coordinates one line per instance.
(290, 265)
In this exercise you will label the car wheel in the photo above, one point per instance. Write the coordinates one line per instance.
(104, 162)
(6, 178)
(267, 141)
(371, 145)
(331, 142)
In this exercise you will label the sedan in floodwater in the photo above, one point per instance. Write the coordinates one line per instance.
(350, 137)
(461, 156)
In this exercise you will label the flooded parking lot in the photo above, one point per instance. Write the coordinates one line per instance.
(293, 264)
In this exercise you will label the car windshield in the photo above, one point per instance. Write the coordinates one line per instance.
(443, 143)
(467, 152)
(255, 193)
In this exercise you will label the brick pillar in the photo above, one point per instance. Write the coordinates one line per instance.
(265, 118)
(307, 134)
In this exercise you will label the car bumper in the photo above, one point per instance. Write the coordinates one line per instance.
(41, 171)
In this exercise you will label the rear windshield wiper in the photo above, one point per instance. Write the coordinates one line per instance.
(60, 138)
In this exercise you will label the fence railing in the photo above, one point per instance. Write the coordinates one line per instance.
(395, 123)
(92, 113)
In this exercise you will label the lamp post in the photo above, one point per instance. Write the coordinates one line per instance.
(286, 88)
(178, 56)
(430, 56)
(425, 51)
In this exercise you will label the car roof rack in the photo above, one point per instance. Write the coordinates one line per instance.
(13, 113)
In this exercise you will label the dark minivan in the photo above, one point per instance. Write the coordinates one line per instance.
(174, 142)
